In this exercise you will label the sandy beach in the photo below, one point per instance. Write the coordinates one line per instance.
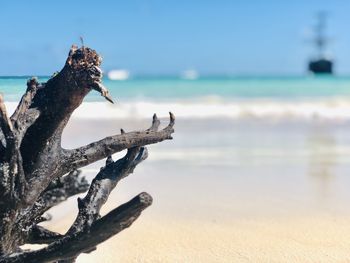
(254, 94)
(229, 191)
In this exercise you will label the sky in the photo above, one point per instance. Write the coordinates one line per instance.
(165, 37)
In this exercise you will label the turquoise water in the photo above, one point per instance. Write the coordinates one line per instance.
(226, 87)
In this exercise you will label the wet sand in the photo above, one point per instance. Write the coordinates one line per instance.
(230, 191)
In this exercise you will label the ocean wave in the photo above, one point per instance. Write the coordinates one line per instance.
(326, 108)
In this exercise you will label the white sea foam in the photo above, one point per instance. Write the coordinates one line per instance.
(327, 108)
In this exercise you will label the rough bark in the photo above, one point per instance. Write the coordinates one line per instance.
(36, 173)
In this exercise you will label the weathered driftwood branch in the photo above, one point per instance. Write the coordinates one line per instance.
(41, 235)
(95, 151)
(58, 191)
(72, 245)
(103, 184)
(105, 181)
(33, 166)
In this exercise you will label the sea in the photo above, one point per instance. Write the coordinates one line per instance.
(256, 145)
(324, 97)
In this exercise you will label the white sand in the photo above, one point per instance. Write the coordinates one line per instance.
(308, 239)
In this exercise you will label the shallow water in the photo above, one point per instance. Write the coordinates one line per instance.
(281, 98)
(158, 88)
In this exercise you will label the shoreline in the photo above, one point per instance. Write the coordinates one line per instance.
(332, 110)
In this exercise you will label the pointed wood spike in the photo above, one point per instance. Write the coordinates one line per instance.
(106, 95)
(155, 123)
(172, 119)
(109, 160)
(82, 41)
(103, 90)
(80, 203)
(5, 122)
(143, 154)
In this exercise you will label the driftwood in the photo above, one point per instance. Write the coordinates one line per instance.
(36, 173)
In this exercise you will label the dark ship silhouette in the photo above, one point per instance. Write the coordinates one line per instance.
(321, 65)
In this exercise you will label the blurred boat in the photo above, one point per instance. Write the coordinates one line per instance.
(190, 74)
(321, 64)
(118, 74)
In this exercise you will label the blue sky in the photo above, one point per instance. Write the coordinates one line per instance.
(168, 36)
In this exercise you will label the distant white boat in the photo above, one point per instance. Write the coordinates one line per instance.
(190, 74)
(118, 74)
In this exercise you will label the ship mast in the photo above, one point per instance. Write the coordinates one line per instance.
(320, 39)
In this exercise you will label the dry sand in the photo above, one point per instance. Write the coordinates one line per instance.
(287, 240)
(309, 239)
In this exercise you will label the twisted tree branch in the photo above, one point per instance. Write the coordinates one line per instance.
(33, 165)
(103, 184)
(41, 235)
(72, 245)
(59, 191)
(95, 151)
